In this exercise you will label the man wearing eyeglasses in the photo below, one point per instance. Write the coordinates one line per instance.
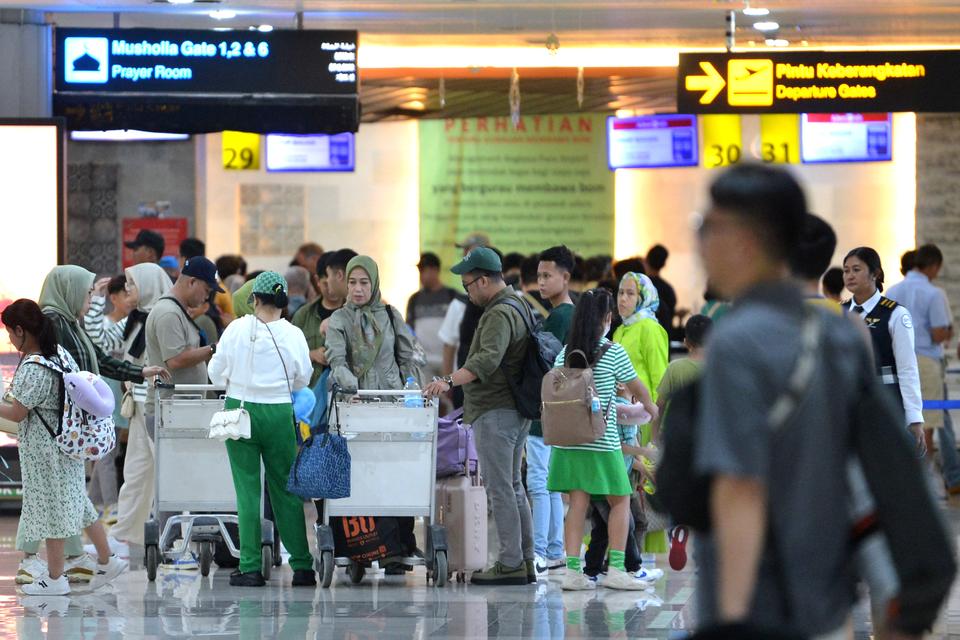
(496, 353)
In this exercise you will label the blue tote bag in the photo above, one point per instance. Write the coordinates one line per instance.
(322, 468)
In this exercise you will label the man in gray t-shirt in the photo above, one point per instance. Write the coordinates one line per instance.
(173, 339)
(778, 555)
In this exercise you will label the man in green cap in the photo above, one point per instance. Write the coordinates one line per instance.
(496, 355)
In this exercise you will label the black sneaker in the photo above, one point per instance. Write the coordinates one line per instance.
(252, 579)
(531, 566)
(304, 578)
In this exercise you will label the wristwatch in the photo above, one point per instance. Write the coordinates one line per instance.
(448, 380)
(213, 349)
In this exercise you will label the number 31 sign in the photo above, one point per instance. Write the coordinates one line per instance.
(241, 151)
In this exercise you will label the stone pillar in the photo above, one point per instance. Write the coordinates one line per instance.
(938, 194)
(26, 65)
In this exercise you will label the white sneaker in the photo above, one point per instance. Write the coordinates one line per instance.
(80, 569)
(576, 581)
(117, 548)
(45, 606)
(557, 565)
(649, 575)
(44, 585)
(107, 573)
(31, 567)
(622, 581)
(540, 566)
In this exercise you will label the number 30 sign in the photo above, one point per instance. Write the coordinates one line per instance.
(241, 151)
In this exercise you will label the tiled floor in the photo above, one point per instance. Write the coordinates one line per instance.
(185, 605)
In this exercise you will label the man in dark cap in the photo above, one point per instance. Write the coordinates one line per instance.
(426, 310)
(148, 246)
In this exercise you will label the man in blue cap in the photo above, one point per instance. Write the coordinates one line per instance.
(496, 354)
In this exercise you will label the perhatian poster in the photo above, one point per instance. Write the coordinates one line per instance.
(542, 183)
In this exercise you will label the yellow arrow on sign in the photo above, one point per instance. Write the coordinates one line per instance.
(712, 83)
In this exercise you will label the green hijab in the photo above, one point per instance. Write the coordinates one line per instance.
(242, 305)
(64, 292)
(367, 338)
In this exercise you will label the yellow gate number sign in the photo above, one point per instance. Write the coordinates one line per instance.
(241, 151)
(780, 138)
(722, 140)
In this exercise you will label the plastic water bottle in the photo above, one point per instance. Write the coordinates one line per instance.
(414, 400)
(595, 404)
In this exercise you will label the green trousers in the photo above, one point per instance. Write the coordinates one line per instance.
(272, 440)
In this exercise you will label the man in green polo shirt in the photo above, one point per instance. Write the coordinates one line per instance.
(496, 353)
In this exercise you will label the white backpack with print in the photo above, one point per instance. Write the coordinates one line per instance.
(80, 435)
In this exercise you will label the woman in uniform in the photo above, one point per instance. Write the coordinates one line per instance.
(891, 331)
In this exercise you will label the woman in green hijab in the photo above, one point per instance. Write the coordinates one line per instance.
(65, 298)
(370, 347)
(368, 344)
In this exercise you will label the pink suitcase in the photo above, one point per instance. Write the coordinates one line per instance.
(462, 510)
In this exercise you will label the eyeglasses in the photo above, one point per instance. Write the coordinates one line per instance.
(466, 285)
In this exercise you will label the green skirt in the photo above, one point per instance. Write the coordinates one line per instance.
(600, 473)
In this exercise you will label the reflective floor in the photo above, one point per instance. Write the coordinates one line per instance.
(185, 605)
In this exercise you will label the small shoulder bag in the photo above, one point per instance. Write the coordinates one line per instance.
(233, 424)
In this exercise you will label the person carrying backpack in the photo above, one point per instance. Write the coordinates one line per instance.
(55, 503)
(596, 467)
(498, 354)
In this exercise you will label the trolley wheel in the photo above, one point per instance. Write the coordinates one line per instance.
(440, 569)
(266, 560)
(206, 558)
(356, 572)
(277, 556)
(326, 569)
(152, 561)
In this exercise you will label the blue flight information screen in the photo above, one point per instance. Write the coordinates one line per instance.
(652, 141)
(163, 61)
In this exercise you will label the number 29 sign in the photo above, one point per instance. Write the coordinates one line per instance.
(241, 151)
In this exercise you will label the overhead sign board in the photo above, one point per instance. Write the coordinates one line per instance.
(819, 82)
(151, 61)
(195, 81)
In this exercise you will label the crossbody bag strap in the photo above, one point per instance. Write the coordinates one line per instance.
(186, 314)
(252, 346)
(396, 340)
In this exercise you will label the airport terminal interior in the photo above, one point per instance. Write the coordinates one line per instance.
(329, 160)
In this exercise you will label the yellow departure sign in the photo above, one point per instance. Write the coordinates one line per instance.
(818, 81)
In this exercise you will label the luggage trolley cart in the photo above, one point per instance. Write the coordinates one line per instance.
(393, 452)
(194, 480)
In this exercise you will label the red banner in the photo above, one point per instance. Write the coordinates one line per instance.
(173, 230)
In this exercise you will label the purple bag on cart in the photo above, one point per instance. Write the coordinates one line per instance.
(455, 446)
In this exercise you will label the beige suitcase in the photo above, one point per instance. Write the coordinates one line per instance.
(462, 510)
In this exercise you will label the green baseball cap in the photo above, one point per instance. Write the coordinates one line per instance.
(481, 258)
(269, 283)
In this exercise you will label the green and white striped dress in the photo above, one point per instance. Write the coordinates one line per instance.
(596, 467)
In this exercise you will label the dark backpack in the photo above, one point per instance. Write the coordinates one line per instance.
(542, 350)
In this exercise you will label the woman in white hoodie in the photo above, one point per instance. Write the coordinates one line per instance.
(262, 359)
(146, 283)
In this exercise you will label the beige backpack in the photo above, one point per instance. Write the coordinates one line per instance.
(570, 414)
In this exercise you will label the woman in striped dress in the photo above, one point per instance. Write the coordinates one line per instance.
(596, 468)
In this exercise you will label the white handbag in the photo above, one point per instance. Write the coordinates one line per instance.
(233, 424)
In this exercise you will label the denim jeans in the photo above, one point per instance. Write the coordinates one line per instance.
(547, 506)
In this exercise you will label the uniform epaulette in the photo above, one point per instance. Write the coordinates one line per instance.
(887, 302)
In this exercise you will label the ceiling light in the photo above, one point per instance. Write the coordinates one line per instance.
(766, 26)
(180, 1)
(265, 28)
(755, 12)
(223, 28)
(777, 42)
(223, 14)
